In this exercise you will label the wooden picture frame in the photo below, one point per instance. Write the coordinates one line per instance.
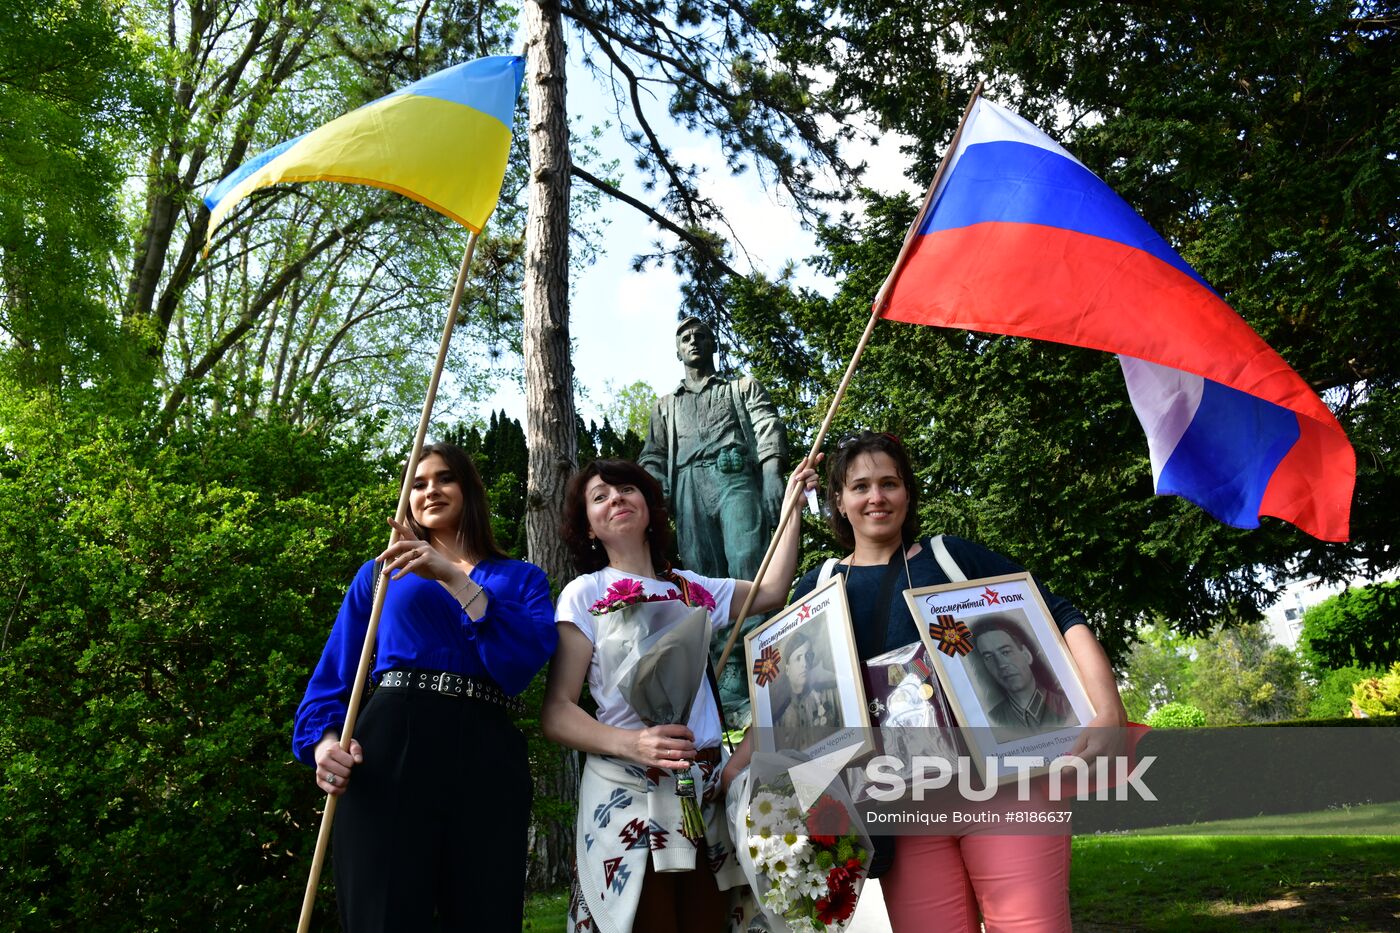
(1005, 668)
(806, 686)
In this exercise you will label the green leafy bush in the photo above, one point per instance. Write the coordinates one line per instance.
(1177, 716)
(1379, 696)
(1332, 695)
(164, 603)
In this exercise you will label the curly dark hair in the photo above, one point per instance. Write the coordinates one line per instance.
(474, 528)
(573, 519)
(839, 464)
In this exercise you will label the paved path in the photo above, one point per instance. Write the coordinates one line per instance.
(870, 916)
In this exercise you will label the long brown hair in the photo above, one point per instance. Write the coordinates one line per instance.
(474, 533)
(573, 520)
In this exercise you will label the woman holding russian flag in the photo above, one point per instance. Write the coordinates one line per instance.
(943, 883)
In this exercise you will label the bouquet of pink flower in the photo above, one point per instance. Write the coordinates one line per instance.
(653, 651)
(806, 864)
(629, 592)
(653, 648)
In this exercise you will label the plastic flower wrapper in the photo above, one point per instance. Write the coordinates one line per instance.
(805, 864)
(654, 653)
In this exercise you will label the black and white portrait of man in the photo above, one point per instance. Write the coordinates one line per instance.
(1023, 696)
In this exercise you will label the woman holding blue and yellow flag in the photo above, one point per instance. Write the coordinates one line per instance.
(465, 628)
(438, 774)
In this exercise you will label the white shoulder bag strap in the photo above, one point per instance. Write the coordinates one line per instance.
(945, 560)
(940, 553)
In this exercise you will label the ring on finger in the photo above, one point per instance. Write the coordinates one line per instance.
(330, 779)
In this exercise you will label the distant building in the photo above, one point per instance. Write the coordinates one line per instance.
(1284, 619)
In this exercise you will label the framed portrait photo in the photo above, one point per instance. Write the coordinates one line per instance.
(1005, 668)
(805, 680)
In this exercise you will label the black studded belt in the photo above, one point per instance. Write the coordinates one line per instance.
(453, 685)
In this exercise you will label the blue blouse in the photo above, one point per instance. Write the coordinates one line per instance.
(423, 626)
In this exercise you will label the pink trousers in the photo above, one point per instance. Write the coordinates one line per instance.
(1019, 884)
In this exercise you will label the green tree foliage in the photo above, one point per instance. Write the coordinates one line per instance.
(1024, 446)
(1360, 626)
(1240, 676)
(1379, 696)
(1157, 672)
(163, 608)
(76, 91)
(1331, 698)
(719, 70)
(630, 407)
(603, 441)
(1177, 716)
(307, 291)
(1259, 138)
(501, 457)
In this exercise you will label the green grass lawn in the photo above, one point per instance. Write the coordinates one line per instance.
(544, 913)
(1372, 819)
(1205, 883)
(1191, 878)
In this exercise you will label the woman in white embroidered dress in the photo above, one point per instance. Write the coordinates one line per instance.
(632, 857)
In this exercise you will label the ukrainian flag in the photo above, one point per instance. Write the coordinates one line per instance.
(442, 141)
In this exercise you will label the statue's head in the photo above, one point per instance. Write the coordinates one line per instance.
(695, 343)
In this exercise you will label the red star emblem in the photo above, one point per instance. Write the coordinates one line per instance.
(990, 595)
(803, 613)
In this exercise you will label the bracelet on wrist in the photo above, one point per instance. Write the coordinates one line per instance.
(468, 604)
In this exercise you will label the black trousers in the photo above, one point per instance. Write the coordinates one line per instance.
(431, 834)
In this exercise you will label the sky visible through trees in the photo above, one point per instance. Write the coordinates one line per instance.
(622, 319)
(196, 452)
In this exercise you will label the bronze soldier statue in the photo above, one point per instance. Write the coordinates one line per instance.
(717, 448)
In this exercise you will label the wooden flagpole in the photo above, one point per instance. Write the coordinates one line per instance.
(877, 307)
(367, 650)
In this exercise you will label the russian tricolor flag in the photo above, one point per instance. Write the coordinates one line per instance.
(1020, 238)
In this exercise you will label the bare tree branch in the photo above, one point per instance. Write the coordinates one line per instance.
(235, 333)
(705, 249)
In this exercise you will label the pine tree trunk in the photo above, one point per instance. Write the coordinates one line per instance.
(549, 376)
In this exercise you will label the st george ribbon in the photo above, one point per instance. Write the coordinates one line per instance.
(1020, 238)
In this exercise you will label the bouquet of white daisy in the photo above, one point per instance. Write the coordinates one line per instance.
(806, 864)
